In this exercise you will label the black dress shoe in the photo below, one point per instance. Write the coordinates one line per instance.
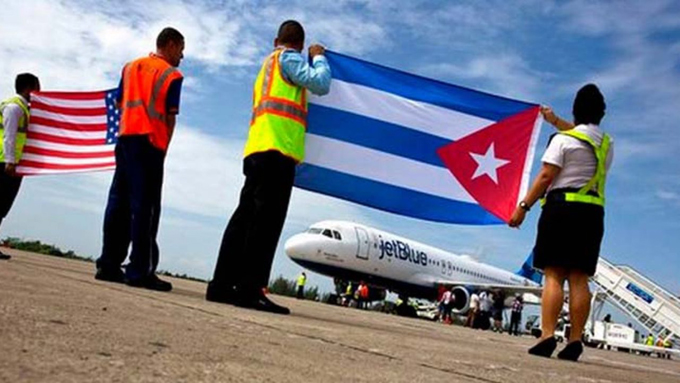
(572, 351)
(220, 295)
(110, 275)
(151, 282)
(260, 302)
(4, 257)
(545, 348)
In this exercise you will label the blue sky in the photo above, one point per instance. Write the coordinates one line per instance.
(538, 51)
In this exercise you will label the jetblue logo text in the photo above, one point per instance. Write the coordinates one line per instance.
(401, 250)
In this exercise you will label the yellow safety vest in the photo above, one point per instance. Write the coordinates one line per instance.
(600, 176)
(279, 118)
(301, 280)
(21, 132)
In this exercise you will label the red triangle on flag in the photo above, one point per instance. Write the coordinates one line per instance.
(489, 163)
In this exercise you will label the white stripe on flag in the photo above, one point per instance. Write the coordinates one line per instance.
(64, 103)
(386, 168)
(388, 107)
(101, 119)
(35, 128)
(37, 171)
(65, 161)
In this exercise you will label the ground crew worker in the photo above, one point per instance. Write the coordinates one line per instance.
(149, 102)
(302, 279)
(572, 183)
(275, 146)
(650, 340)
(14, 115)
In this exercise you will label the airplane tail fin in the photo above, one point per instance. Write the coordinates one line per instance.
(527, 270)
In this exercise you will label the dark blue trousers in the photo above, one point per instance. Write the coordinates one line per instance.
(134, 208)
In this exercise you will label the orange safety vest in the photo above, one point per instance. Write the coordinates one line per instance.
(145, 89)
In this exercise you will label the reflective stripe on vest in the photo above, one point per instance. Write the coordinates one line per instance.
(279, 118)
(145, 88)
(21, 131)
(600, 176)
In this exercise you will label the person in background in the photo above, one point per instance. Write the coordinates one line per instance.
(14, 116)
(497, 311)
(302, 279)
(485, 304)
(516, 315)
(445, 305)
(275, 146)
(471, 321)
(570, 229)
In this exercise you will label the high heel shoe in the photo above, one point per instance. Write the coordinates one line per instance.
(545, 348)
(572, 351)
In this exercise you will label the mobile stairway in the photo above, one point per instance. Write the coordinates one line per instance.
(649, 304)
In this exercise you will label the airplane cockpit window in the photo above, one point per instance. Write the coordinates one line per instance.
(314, 230)
(327, 233)
(337, 235)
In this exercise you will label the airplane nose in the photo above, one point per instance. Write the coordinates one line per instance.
(295, 246)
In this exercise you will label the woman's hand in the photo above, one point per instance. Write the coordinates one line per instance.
(517, 217)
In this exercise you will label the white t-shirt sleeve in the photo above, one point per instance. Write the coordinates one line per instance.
(554, 154)
(11, 116)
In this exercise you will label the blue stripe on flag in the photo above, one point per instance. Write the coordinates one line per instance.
(375, 134)
(390, 198)
(422, 89)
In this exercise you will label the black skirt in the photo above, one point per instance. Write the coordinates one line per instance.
(569, 236)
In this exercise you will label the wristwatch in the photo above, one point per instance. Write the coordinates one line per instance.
(525, 206)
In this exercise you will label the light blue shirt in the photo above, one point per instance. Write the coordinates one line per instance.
(315, 77)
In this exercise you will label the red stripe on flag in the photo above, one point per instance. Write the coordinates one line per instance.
(67, 125)
(64, 154)
(37, 105)
(73, 95)
(47, 165)
(66, 140)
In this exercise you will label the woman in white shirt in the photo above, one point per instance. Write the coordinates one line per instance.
(571, 225)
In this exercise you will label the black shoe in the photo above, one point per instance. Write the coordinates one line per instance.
(110, 275)
(220, 295)
(572, 351)
(5, 257)
(151, 282)
(545, 348)
(260, 302)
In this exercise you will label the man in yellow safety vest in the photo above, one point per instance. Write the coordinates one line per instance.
(14, 115)
(276, 143)
(302, 279)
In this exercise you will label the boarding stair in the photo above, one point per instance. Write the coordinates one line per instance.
(649, 304)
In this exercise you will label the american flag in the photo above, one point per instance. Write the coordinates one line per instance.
(71, 132)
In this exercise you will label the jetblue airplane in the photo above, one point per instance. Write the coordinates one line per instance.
(354, 252)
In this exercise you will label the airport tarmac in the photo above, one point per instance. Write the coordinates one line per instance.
(57, 324)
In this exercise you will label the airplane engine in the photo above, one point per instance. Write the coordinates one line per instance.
(462, 300)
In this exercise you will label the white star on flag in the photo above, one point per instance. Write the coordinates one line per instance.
(488, 164)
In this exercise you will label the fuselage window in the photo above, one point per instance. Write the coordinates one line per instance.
(337, 235)
(327, 233)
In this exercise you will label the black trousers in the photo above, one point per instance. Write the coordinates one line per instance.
(9, 188)
(134, 207)
(515, 320)
(250, 239)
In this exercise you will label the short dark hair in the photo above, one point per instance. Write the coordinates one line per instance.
(291, 32)
(168, 35)
(589, 105)
(26, 81)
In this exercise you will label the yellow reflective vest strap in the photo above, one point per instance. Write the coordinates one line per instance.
(21, 131)
(600, 177)
(279, 118)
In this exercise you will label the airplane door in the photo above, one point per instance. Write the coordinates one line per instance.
(363, 243)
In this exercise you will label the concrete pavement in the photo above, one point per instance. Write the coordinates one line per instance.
(57, 324)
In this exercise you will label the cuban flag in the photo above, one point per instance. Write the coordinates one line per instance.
(418, 147)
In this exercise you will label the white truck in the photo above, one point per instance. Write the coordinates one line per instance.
(622, 338)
